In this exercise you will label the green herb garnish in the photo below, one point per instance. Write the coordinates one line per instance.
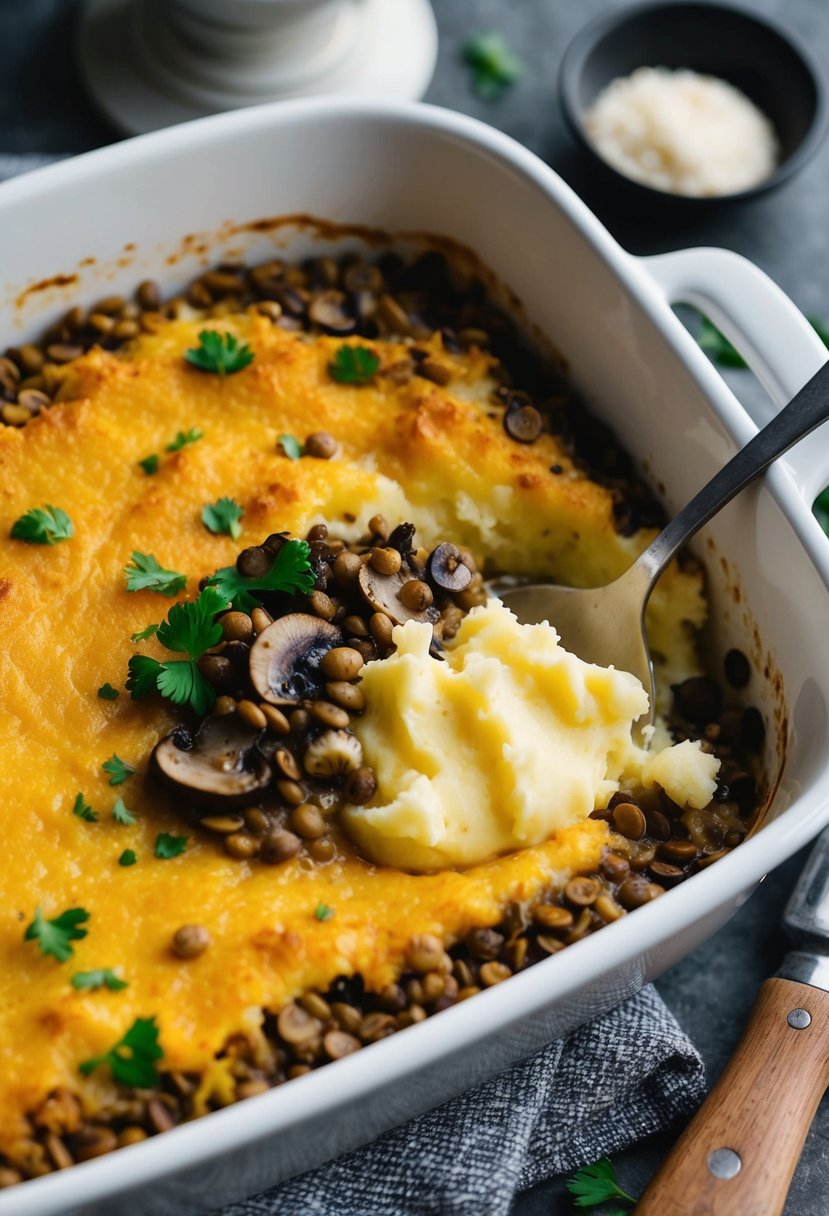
(223, 516)
(83, 810)
(289, 571)
(290, 445)
(145, 574)
(107, 693)
(323, 912)
(820, 329)
(104, 977)
(127, 858)
(43, 526)
(168, 845)
(143, 634)
(190, 628)
(494, 66)
(183, 438)
(122, 814)
(223, 354)
(353, 365)
(595, 1184)
(132, 1061)
(56, 935)
(150, 464)
(117, 769)
(717, 347)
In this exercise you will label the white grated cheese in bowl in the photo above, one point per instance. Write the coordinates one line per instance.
(682, 132)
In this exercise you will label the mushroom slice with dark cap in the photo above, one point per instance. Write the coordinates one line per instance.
(221, 765)
(285, 658)
(382, 593)
(447, 568)
(330, 310)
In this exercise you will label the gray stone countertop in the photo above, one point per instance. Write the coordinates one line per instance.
(42, 109)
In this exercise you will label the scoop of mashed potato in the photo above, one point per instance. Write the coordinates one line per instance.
(503, 743)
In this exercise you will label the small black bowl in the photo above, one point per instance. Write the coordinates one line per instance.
(756, 55)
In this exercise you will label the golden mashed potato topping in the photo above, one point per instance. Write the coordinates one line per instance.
(507, 740)
(434, 454)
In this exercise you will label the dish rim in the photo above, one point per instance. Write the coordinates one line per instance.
(249, 1121)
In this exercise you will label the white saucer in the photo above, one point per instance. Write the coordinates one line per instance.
(392, 57)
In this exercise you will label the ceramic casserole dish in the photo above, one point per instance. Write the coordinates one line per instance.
(164, 205)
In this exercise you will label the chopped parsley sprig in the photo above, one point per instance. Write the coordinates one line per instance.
(55, 936)
(107, 693)
(353, 365)
(145, 574)
(132, 1060)
(43, 526)
(222, 354)
(595, 1185)
(222, 517)
(83, 810)
(290, 445)
(150, 464)
(122, 814)
(168, 845)
(190, 629)
(103, 977)
(184, 438)
(493, 65)
(290, 571)
(117, 769)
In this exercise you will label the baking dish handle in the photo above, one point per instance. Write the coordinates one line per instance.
(769, 331)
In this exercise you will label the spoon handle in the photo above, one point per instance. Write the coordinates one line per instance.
(806, 410)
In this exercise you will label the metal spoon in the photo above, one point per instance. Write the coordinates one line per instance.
(606, 625)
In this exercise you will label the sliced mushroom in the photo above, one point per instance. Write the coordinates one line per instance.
(330, 310)
(333, 754)
(285, 658)
(220, 766)
(382, 593)
(447, 568)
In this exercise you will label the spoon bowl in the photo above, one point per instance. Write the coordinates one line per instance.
(605, 625)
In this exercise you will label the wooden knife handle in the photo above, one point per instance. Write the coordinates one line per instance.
(738, 1154)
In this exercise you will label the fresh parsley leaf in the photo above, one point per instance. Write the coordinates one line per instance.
(143, 634)
(142, 678)
(323, 912)
(150, 464)
(83, 810)
(107, 693)
(122, 814)
(183, 438)
(223, 516)
(145, 574)
(353, 365)
(494, 66)
(56, 935)
(595, 1184)
(289, 571)
(127, 858)
(104, 977)
(167, 845)
(821, 509)
(717, 347)
(290, 445)
(43, 526)
(220, 353)
(117, 769)
(191, 627)
(132, 1061)
(820, 328)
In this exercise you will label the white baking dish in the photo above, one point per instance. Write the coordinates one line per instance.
(415, 168)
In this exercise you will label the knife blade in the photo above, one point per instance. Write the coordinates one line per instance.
(738, 1154)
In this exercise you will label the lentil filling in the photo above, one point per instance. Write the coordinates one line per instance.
(238, 756)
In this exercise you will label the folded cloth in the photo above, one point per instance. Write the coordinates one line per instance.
(615, 1080)
(621, 1077)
